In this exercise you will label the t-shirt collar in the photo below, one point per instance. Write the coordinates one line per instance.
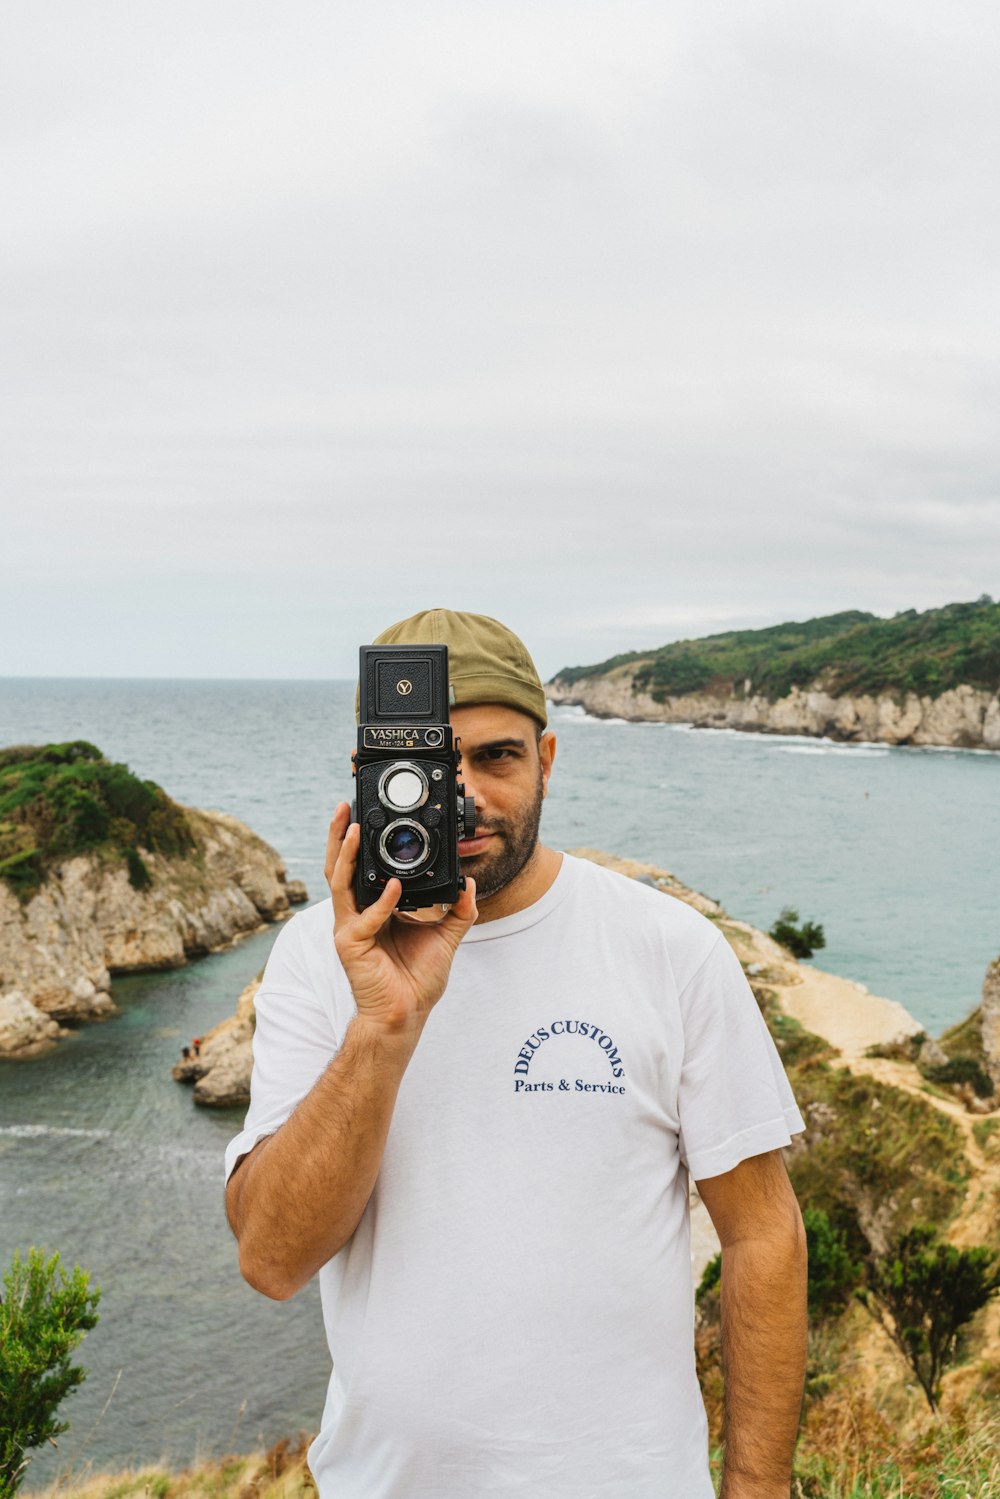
(518, 921)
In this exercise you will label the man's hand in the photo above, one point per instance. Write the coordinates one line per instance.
(398, 968)
(299, 1195)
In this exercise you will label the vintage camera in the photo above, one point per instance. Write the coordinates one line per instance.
(409, 801)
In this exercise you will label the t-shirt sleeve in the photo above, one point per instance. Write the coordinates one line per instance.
(734, 1099)
(295, 1039)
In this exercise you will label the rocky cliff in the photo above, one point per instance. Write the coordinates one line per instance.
(990, 1022)
(87, 921)
(221, 1072)
(963, 717)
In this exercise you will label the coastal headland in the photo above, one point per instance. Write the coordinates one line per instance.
(917, 679)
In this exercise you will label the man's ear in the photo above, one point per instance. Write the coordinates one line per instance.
(546, 755)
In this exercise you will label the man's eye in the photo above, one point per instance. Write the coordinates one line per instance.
(496, 754)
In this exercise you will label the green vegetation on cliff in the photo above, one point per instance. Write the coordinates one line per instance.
(849, 653)
(57, 800)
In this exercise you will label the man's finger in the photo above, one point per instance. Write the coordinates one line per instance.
(335, 837)
(342, 881)
(369, 922)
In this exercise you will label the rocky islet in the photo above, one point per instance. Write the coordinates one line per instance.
(84, 918)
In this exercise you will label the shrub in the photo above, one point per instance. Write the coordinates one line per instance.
(138, 875)
(43, 1315)
(57, 800)
(923, 1294)
(962, 1070)
(833, 1275)
(801, 941)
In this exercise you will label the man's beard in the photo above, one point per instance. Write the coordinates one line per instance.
(493, 871)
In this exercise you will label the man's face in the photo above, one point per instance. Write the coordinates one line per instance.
(506, 768)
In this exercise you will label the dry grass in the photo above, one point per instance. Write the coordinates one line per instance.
(847, 1449)
(279, 1473)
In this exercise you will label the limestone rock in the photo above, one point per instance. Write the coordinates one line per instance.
(87, 921)
(931, 1054)
(221, 1074)
(227, 1085)
(24, 1029)
(963, 717)
(990, 1021)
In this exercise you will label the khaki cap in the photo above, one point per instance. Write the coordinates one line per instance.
(487, 663)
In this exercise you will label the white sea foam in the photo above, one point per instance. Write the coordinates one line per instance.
(947, 749)
(860, 751)
(34, 1131)
(568, 713)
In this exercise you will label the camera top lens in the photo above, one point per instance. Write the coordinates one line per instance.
(402, 786)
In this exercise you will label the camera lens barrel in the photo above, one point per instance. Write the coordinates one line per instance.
(404, 845)
(403, 787)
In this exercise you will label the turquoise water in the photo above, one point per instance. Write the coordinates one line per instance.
(105, 1158)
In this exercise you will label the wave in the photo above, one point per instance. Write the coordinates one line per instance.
(36, 1131)
(864, 751)
(573, 713)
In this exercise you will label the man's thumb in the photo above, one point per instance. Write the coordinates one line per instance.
(461, 916)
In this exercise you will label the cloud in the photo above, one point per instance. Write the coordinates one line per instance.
(621, 320)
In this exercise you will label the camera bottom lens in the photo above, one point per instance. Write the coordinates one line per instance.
(404, 845)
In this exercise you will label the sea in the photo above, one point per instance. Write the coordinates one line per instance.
(105, 1159)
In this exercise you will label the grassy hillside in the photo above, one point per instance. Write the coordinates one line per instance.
(57, 800)
(852, 652)
(847, 1450)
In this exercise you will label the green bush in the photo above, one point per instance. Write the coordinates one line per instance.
(833, 1275)
(57, 800)
(43, 1316)
(923, 1294)
(962, 1070)
(138, 875)
(802, 941)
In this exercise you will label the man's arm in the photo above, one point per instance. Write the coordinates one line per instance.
(297, 1197)
(764, 1322)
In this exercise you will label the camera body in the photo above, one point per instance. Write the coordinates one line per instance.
(409, 801)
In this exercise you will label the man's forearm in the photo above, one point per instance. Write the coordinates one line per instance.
(764, 1345)
(306, 1187)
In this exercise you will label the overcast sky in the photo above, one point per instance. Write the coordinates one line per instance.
(623, 322)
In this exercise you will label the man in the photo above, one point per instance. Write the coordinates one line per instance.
(478, 1128)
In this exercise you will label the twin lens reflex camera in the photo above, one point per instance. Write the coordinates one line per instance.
(411, 806)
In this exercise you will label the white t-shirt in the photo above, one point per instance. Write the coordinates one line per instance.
(514, 1313)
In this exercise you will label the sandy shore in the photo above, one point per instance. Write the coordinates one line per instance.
(840, 1010)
